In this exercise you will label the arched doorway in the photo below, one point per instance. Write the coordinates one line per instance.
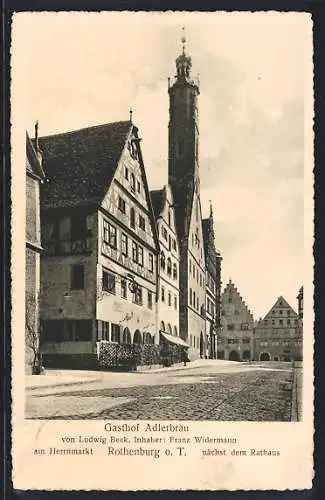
(234, 356)
(221, 355)
(137, 339)
(246, 354)
(276, 358)
(264, 356)
(201, 346)
(169, 329)
(147, 338)
(126, 336)
(286, 358)
(162, 326)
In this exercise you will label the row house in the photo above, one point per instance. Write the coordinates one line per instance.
(35, 176)
(168, 275)
(100, 264)
(278, 336)
(236, 340)
(212, 319)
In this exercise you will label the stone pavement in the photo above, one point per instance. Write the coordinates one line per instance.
(203, 390)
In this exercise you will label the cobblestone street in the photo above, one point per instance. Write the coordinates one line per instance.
(212, 390)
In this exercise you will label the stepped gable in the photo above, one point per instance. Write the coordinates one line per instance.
(230, 287)
(80, 165)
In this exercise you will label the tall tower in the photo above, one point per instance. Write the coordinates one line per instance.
(183, 176)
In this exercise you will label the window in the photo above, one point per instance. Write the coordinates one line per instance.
(175, 302)
(140, 256)
(280, 312)
(150, 263)
(191, 296)
(115, 333)
(190, 266)
(246, 340)
(281, 322)
(288, 321)
(83, 329)
(200, 279)
(137, 296)
(230, 327)
(138, 186)
(110, 234)
(109, 282)
(193, 271)
(162, 261)
(169, 218)
(169, 299)
(142, 223)
(230, 300)
(121, 204)
(124, 288)
(126, 173)
(102, 330)
(132, 217)
(169, 266)
(273, 321)
(174, 244)
(194, 299)
(174, 271)
(77, 277)
(134, 251)
(236, 312)
(197, 303)
(164, 233)
(149, 300)
(288, 312)
(132, 183)
(169, 243)
(124, 244)
(162, 294)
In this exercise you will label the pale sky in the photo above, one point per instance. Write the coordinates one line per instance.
(83, 69)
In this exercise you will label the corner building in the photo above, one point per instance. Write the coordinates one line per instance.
(183, 177)
(100, 240)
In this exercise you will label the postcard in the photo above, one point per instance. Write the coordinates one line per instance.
(162, 262)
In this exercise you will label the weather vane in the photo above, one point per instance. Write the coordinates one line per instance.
(183, 39)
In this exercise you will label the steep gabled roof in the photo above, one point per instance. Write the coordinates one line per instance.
(157, 199)
(280, 303)
(80, 165)
(33, 165)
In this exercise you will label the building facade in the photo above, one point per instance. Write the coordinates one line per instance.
(99, 269)
(235, 342)
(212, 283)
(278, 336)
(34, 177)
(168, 274)
(184, 179)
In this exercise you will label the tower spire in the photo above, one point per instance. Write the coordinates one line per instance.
(211, 209)
(183, 62)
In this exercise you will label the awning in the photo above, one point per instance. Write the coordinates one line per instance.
(174, 340)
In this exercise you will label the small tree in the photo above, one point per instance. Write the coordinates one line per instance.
(33, 332)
